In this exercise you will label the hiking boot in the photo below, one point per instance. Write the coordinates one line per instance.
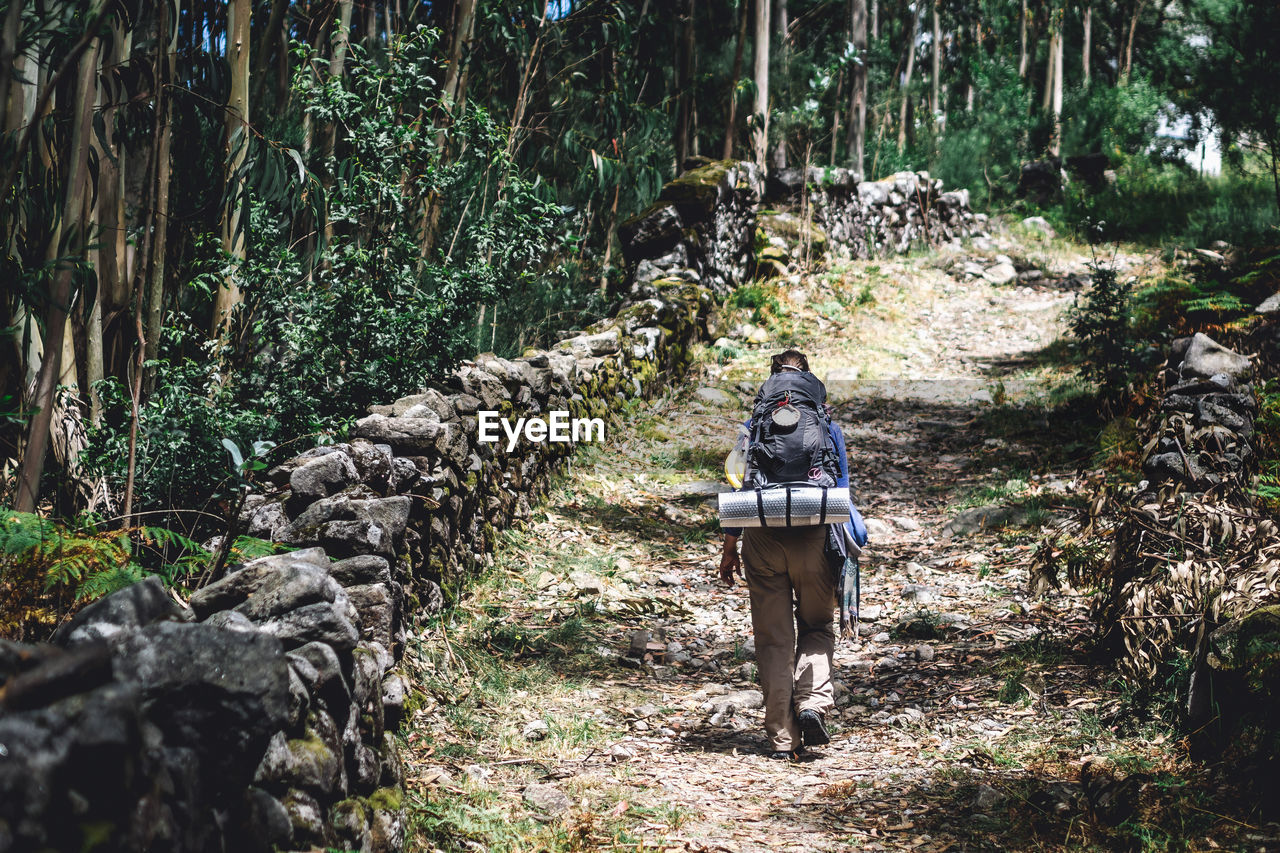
(787, 754)
(812, 731)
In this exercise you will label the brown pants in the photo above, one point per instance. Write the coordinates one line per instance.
(793, 602)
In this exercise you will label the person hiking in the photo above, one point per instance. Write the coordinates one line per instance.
(791, 575)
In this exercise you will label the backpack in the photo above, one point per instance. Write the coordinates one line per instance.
(789, 436)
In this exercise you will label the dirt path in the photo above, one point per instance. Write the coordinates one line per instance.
(963, 713)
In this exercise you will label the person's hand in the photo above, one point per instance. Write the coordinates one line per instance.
(730, 562)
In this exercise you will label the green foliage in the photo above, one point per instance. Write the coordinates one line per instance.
(47, 566)
(984, 149)
(1101, 321)
(1119, 121)
(1234, 76)
(1156, 203)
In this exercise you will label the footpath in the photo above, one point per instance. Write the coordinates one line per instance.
(597, 691)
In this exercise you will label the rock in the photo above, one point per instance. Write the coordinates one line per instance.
(639, 644)
(987, 799)
(395, 690)
(387, 829)
(267, 820)
(1206, 357)
(670, 580)
(279, 582)
(923, 652)
(877, 529)
(220, 693)
(364, 569)
(323, 476)
(1000, 274)
(651, 232)
(1269, 306)
(702, 488)
(143, 603)
(536, 730)
(621, 752)
(306, 816)
(477, 774)
(919, 594)
(58, 675)
(377, 611)
(313, 623)
(715, 397)
(1040, 225)
(547, 799)
(411, 436)
(1248, 651)
(230, 620)
(979, 518)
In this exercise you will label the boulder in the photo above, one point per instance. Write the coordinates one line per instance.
(328, 682)
(1001, 273)
(220, 693)
(411, 436)
(377, 611)
(651, 232)
(306, 763)
(143, 603)
(322, 476)
(55, 675)
(364, 569)
(1205, 357)
(265, 588)
(980, 518)
(319, 623)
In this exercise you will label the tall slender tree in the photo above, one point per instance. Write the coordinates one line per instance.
(67, 243)
(760, 118)
(858, 75)
(229, 295)
(731, 123)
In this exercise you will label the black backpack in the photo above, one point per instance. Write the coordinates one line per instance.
(789, 440)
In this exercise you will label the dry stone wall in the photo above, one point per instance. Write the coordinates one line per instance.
(262, 715)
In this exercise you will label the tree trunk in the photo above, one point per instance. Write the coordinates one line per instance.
(112, 266)
(262, 55)
(875, 19)
(8, 51)
(760, 118)
(684, 87)
(1055, 143)
(164, 139)
(779, 155)
(731, 126)
(1022, 42)
(1127, 67)
(1046, 101)
(464, 23)
(858, 99)
(237, 119)
(60, 289)
(935, 101)
(906, 80)
(1087, 47)
(336, 67)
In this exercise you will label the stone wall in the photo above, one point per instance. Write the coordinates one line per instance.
(260, 717)
(864, 219)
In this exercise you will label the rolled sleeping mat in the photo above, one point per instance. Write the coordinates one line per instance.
(784, 506)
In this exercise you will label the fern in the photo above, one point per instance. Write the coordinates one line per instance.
(40, 557)
(250, 548)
